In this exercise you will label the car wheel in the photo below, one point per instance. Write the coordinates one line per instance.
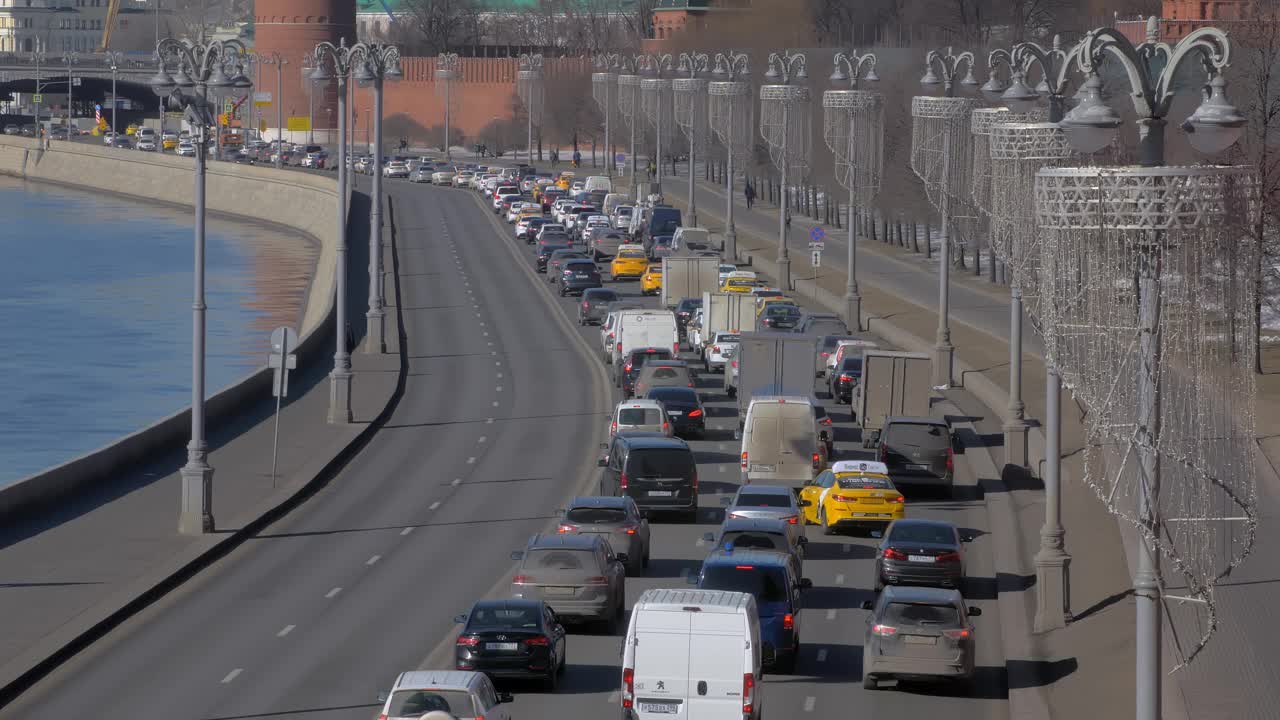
(788, 666)
(551, 681)
(879, 586)
(869, 682)
(645, 563)
(826, 529)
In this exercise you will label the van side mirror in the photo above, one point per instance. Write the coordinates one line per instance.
(867, 605)
(504, 698)
(621, 557)
(604, 446)
(517, 555)
(804, 503)
(803, 540)
(725, 501)
(956, 446)
(804, 584)
(691, 578)
(382, 696)
(974, 612)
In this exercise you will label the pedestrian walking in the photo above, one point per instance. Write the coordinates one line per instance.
(577, 158)
(787, 219)
(749, 192)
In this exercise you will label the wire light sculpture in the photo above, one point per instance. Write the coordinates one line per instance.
(982, 123)
(530, 88)
(629, 104)
(732, 116)
(447, 73)
(1148, 315)
(604, 88)
(690, 104)
(657, 102)
(853, 127)
(785, 125)
(941, 155)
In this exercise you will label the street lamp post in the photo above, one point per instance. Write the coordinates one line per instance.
(690, 101)
(381, 63)
(70, 58)
(113, 59)
(784, 124)
(1174, 226)
(629, 106)
(447, 73)
(199, 68)
(604, 88)
(854, 126)
(38, 57)
(529, 85)
(941, 134)
(655, 100)
(278, 61)
(730, 109)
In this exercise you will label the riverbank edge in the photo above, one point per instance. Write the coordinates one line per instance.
(301, 204)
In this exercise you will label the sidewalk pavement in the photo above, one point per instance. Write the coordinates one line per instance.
(69, 574)
(1067, 673)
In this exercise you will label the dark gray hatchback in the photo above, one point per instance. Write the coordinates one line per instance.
(577, 276)
(920, 448)
(595, 305)
(659, 473)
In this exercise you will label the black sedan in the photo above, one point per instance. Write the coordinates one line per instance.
(545, 249)
(845, 378)
(685, 310)
(556, 261)
(920, 552)
(512, 638)
(779, 316)
(688, 417)
(594, 306)
(578, 276)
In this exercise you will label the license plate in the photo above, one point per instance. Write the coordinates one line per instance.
(661, 493)
(921, 558)
(558, 590)
(582, 276)
(764, 468)
(919, 640)
(499, 646)
(872, 501)
(674, 413)
(664, 708)
(911, 466)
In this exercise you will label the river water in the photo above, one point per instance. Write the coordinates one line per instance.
(95, 315)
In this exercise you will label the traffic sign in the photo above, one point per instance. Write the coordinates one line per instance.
(228, 105)
(815, 258)
(301, 123)
(817, 234)
(37, 98)
(262, 99)
(75, 82)
(282, 359)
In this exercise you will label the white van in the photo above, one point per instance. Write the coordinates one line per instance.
(690, 235)
(692, 655)
(598, 182)
(645, 328)
(611, 202)
(780, 441)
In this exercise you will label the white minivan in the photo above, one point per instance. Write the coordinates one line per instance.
(692, 655)
(644, 328)
(781, 442)
(598, 182)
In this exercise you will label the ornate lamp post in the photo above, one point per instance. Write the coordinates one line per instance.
(629, 104)
(381, 63)
(785, 126)
(447, 72)
(1137, 262)
(604, 88)
(198, 69)
(529, 85)
(278, 61)
(730, 108)
(656, 100)
(939, 135)
(690, 101)
(70, 58)
(38, 57)
(113, 58)
(854, 130)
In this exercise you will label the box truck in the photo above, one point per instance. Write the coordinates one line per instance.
(773, 364)
(893, 383)
(688, 277)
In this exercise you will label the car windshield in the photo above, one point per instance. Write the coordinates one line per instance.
(915, 532)
(753, 539)
(596, 515)
(921, 435)
(659, 463)
(863, 482)
(763, 500)
(416, 703)
(768, 585)
(898, 614)
(639, 416)
(483, 618)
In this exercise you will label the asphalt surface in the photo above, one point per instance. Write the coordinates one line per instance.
(501, 420)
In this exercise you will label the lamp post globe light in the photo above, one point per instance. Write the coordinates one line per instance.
(655, 100)
(604, 88)
(853, 127)
(447, 73)
(529, 86)
(731, 113)
(380, 63)
(1173, 401)
(785, 127)
(690, 108)
(198, 68)
(941, 144)
(113, 58)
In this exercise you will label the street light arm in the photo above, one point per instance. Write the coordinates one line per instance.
(850, 64)
(694, 63)
(732, 64)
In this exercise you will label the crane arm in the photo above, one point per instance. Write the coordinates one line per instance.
(113, 7)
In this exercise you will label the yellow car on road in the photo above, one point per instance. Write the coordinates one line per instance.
(739, 281)
(630, 262)
(853, 493)
(765, 302)
(651, 281)
(131, 130)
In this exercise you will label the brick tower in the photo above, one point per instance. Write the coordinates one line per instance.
(293, 28)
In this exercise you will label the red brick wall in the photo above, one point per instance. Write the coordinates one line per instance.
(293, 28)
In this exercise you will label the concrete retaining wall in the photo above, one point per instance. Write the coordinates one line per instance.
(305, 204)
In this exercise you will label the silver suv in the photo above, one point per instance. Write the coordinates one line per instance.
(461, 694)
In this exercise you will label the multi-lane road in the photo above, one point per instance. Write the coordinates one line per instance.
(504, 408)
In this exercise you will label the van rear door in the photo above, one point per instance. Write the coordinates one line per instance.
(661, 667)
(796, 441)
(717, 662)
(762, 440)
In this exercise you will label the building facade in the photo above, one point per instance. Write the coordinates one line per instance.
(52, 26)
(293, 28)
(1180, 18)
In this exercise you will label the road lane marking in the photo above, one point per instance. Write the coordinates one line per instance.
(840, 579)
(287, 629)
(373, 560)
(721, 468)
(822, 655)
(809, 702)
(408, 530)
(498, 388)
(499, 374)
(831, 614)
(495, 403)
(488, 421)
(845, 547)
(232, 675)
(471, 461)
(455, 482)
(333, 592)
(434, 505)
(483, 438)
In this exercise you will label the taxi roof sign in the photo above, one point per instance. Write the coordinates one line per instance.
(862, 467)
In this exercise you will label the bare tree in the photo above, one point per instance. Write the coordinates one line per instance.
(430, 27)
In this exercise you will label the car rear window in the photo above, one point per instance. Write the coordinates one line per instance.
(660, 463)
(922, 533)
(631, 254)
(599, 295)
(910, 614)
(416, 703)
(639, 416)
(640, 358)
(753, 539)
(767, 584)
(560, 559)
(763, 500)
(856, 482)
(825, 325)
(664, 373)
(851, 364)
(503, 617)
(596, 515)
(921, 435)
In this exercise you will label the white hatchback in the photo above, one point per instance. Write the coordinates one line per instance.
(463, 695)
(640, 415)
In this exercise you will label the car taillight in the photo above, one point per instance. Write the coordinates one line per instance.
(844, 498)
(948, 557)
(598, 580)
(522, 579)
(956, 634)
(744, 460)
(613, 428)
(845, 377)
(825, 421)
(675, 350)
(951, 460)
(567, 528)
(735, 363)
(694, 413)
(622, 481)
(788, 622)
(468, 641)
(695, 482)
(538, 640)
(630, 529)
(666, 426)
(883, 630)
(891, 554)
(825, 353)
(817, 461)
(618, 347)
(899, 499)
(715, 348)
(628, 687)
(585, 304)
(794, 520)
(748, 693)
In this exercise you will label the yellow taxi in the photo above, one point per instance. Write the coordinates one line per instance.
(739, 281)
(529, 211)
(764, 302)
(630, 262)
(566, 179)
(853, 493)
(169, 142)
(131, 130)
(651, 281)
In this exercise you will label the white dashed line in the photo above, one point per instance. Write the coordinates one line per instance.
(434, 505)
(721, 468)
(831, 614)
(495, 403)
(232, 675)
(497, 363)
(499, 374)
(809, 702)
(822, 655)
(845, 547)
(456, 482)
(373, 560)
(287, 629)
(408, 530)
(333, 592)
(483, 438)
(488, 421)
(486, 333)
(471, 461)
(498, 388)
(840, 579)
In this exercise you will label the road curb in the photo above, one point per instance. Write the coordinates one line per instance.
(38, 661)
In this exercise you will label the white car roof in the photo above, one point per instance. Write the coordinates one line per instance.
(743, 274)
(437, 679)
(639, 403)
(864, 343)
(630, 246)
(860, 466)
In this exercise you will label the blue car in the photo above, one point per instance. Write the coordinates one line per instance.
(769, 577)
